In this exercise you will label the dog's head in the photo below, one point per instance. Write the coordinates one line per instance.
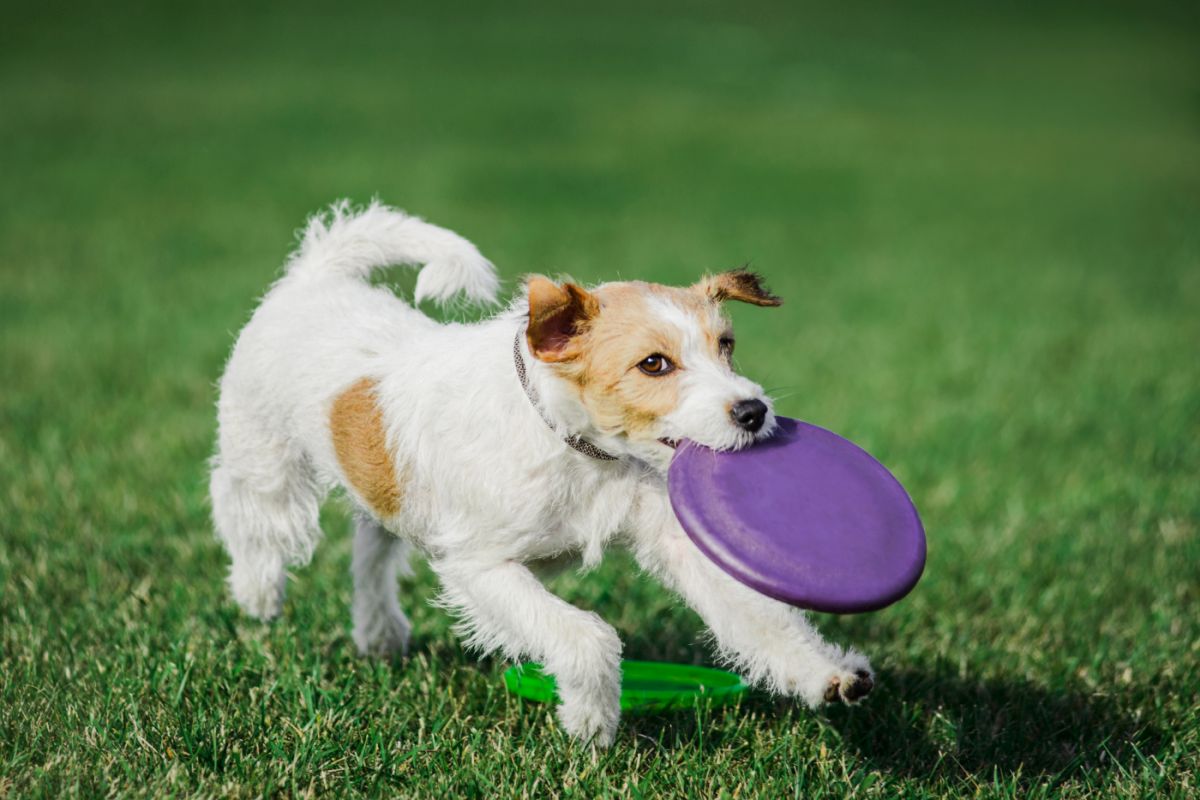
(652, 364)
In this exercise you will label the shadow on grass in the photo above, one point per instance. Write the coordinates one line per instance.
(933, 725)
(926, 724)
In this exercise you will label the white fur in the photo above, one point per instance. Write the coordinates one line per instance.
(357, 243)
(489, 487)
(710, 387)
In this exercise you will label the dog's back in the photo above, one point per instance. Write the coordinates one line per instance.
(318, 332)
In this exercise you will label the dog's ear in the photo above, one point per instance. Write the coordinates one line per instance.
(738, 284)
(556, 314)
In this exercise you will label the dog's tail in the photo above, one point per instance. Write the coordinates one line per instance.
(354, 243)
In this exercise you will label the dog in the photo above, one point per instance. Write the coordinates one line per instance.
(542, 432)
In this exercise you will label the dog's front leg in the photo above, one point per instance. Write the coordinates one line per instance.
(771, 642)
(504, 607)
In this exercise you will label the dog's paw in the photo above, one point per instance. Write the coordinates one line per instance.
(845, 675)
(381, 634)
(849, 687)
(258, 590)
(589, 721)
(591, 710)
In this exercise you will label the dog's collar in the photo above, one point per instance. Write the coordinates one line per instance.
(575, 442)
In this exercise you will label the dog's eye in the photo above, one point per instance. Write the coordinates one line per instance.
(656, 365)
(725, 345)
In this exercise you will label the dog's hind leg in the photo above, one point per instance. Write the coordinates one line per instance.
(266, 513)
(380, 627)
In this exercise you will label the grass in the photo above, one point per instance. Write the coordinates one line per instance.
(985, 220)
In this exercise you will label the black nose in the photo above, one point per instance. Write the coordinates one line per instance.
(749, 414)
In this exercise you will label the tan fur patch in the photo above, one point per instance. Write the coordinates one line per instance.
(738, 284)
(556, 314)
(359, 439)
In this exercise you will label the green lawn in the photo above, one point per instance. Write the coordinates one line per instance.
(985, 221)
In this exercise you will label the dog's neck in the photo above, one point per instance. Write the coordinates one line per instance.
(575, 442)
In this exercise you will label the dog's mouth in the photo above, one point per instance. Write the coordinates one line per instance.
(671, 443)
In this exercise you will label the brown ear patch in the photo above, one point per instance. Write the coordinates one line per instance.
(738, 284)
(556, 315)
(360, 442)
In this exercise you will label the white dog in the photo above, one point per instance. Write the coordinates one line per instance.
(542, 432)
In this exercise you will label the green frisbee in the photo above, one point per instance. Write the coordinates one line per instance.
(645, 685)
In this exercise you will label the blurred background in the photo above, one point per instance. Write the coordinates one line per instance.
(984, 219)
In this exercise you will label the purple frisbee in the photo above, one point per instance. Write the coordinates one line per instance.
(805, 517)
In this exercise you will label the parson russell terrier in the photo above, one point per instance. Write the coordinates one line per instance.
(544, 431)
